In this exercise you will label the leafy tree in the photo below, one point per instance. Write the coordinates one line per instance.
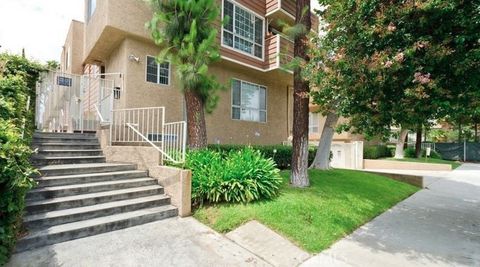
(395, 63)
(185, 29)
(301, 100)
(52, 65)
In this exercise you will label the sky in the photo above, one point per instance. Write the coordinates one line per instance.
(40, 26)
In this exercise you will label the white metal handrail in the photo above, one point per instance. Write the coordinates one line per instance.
(99, 114)
(132, 126)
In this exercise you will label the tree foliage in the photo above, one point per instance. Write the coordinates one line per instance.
(396, 63)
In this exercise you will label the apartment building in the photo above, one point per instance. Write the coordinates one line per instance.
(256, 108)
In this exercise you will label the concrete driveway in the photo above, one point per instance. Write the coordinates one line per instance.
(438, 226)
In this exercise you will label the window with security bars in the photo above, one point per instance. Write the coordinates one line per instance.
(158, 72)
(244, 31)
(249, 101)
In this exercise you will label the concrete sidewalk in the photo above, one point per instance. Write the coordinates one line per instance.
(438, 226)
(171, 242)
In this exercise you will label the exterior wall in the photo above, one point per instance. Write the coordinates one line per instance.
(222, 129)
(74, 48)
(140, 93)
(220, 126)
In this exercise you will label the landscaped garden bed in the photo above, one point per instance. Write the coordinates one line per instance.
(336, 203)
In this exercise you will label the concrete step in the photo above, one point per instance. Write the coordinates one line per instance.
(48, 219)
(66, 146)
(75, 169)
(78, 189)
(70, 153)
(74, 230)
(41, 206)
(61, 135)
(89, 178)
(40, 160)
(66, 138)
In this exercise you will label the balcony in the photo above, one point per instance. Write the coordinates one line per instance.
(284, 11)
(278, 52)
(281, 10)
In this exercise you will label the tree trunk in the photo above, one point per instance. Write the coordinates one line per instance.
(197, 131)
(418, 142)
(322, 158)
(301, 101)
(400, 142)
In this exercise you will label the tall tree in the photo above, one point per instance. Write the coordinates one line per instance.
(186, 32)
(396, 63)
(301, 100)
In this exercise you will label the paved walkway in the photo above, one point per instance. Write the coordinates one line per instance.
(171, 242)
(438, 226)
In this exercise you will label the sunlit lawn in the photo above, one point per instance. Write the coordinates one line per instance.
(455, 164)
(338, 202)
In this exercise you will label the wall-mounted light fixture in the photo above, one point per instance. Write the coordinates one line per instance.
(134, 58)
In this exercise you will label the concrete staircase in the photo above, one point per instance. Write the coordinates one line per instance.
(80, 195)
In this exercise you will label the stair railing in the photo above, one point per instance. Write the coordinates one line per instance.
(137, 126)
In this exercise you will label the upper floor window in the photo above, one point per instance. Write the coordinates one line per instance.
(249, 101)
(158, 72)
(91, 6)
(244, 31)
(313, 123)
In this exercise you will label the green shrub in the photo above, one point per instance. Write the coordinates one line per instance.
(433, 154)
(282, 155)
(14, 184)
(409, 153)
(17, 83)
(376, 152)
(236, 176)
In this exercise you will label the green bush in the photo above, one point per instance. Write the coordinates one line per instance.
(376, 152)
(17, 83)
(433, 154)
(14, 184)
(282, 155)
(237, 176)
(410, 153)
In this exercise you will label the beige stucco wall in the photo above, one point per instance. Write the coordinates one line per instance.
(74, 47)
(220, 127)
(111, 23)
(140, 93)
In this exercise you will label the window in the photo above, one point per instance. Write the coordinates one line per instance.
(313, 123)
(92, 5)
(158, 72)
(244, 30)
(249, 101)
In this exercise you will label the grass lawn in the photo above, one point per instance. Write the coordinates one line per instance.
(455, 164)
(338, 202)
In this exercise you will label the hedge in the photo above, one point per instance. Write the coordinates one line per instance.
(376, 152)
(282, 155)
(17, 82)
